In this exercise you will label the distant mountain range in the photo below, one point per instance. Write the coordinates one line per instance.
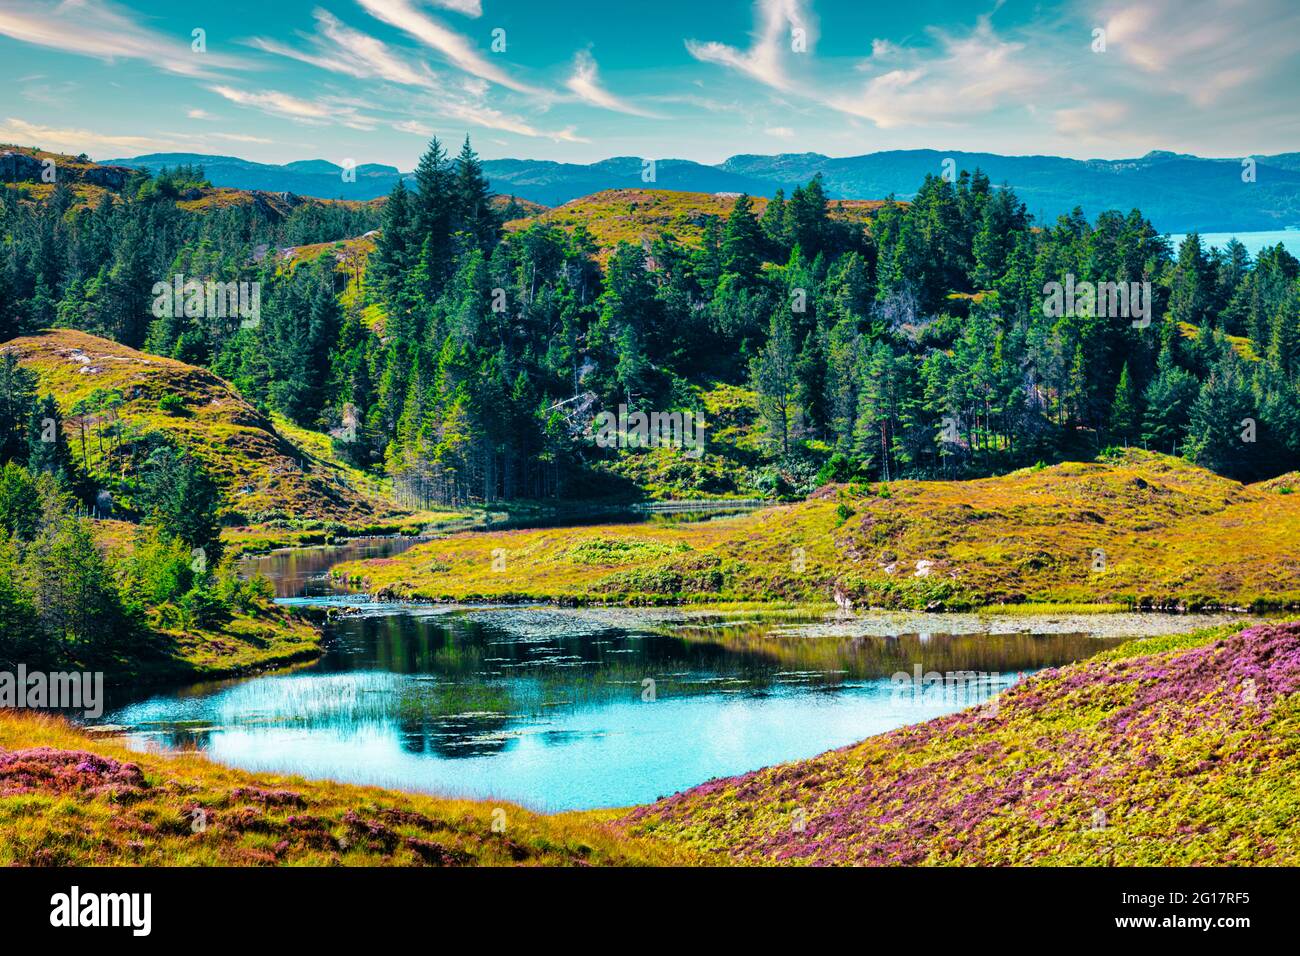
(1177, 192)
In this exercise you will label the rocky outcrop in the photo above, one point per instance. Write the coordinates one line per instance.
(19, 167)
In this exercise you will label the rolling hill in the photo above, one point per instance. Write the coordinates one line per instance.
(21, 169)
(264, 473)
(1140, 529)
(638, 215)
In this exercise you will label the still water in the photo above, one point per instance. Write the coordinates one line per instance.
(1253, 241)
(566, 709)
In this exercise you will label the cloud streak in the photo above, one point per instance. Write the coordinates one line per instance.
(584, 83)
(765, 60)
(454, 47)
(341, 49)
(98, 29)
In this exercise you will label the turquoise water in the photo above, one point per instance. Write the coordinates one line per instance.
(1253, 241)
(550, 708)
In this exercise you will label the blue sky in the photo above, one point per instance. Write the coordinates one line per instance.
(581, 80)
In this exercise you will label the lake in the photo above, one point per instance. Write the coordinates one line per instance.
(551, 708)
(1253, 241)
(564, 709)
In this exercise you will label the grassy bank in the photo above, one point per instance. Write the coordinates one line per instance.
(266, 637)
(1142, 530)
(67, 799)
(1167, 751)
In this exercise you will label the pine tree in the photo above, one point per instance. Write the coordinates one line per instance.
(742, 241)
(773, 375)
(435, 214)
(47, 449)
(17, 393)
(1168, 401)
(1223, 432)
(1125, 414)
(773, 224)
(473, 200)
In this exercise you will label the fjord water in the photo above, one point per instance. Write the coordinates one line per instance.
(1252, 241)
(551, 708)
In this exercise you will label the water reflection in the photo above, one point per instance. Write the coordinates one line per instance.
(563, 710)
(304, 572)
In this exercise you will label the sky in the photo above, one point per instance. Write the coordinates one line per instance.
(582, 80)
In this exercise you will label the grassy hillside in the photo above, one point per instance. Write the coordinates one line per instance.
(69, 799)
(504, 203)
(631, 215)
(728, 469)
(1167, 751)
(1143, 529)
(268, 636)
(89, 181)
(264, 473)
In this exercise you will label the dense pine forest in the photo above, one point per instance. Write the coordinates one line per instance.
(467, 362)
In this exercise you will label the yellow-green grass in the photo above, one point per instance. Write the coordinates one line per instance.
(1167, 751)
(1142, 530)
(70, 799)
(266, 637)
(633, 215)
(1240, 343)
(350, 255)
(85, 195)
(733, 451)
(501, 202)
(222, 197)
(263, 472)
(255, 539)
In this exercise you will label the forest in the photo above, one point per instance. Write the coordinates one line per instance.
(467, 362)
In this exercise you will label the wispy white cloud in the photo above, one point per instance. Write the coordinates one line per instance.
(338, 48)
(77, 141)
(341, 49)
(415, 128)
(197, 114)
(1203, 50)
(454, 47)
(275, 102)
(316, 112)
(471, 8)
(962, 76)
(240, 138)
(772, 43)
(488, 117)
(1097, 121)
(98, 29)
(584, 82)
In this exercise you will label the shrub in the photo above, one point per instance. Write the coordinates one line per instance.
(172, 405)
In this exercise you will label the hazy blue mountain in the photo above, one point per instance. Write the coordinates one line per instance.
(1177, 192)
(553, 183)
(306, 177)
